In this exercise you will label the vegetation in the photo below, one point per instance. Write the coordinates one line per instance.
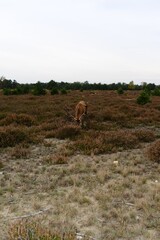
(84, 176)
(120, 90)
(54, 91)
(63, 91)
(33, 231)
(156, 91)
(153, 151)
(38, 89)
(144, 98)
(26, 88)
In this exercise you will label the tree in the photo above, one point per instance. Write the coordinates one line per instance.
(143, 98)
(54, 91)
(38, 89)
(120, 90)
(131, 85)
(156, 92)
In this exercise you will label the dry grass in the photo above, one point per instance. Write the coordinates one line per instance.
(96, 181)
(33, 230)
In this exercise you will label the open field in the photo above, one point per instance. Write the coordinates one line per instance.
(101, 181)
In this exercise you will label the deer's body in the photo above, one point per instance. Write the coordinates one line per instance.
(80, 112)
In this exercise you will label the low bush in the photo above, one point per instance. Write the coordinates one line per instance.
(54, 91)
(153, 151)
(20, 119)
(63, 91)
(7, 91)
(100, 143)
(11, 136)
(38, 89)
(156, 92)
(145, 135)
(65, 132)
(120, 91)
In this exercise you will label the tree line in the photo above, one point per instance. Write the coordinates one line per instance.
(13, 87)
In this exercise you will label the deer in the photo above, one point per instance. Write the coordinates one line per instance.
(80, 114)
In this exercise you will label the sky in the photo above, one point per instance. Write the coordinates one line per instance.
(80, 40)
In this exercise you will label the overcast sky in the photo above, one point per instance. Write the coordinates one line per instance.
(77, 40)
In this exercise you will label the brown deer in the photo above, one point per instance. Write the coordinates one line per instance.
(80, 113)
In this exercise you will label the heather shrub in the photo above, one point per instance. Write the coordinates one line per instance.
(46, 126)
(145, 135)
(64, 132)
(11, 136)
(153, 151)
(20, 119)
(106, 142)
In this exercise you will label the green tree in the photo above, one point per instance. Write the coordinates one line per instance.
(54, 91)
(63, 91)
(38, 89)
(131, 85)
(120, 90)
(143, 98)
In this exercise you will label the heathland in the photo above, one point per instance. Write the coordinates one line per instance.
(56, 178)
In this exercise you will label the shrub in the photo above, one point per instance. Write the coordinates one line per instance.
(63, 91)
(156, 92)
(99, 143)
(20, 119)
(15, 91)
(54, 91)
(11, 136)
(153, 151)
(7, 91)
(120, 90)
(65, 132)
(145, 135)
(38, 89)
(143, 98)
